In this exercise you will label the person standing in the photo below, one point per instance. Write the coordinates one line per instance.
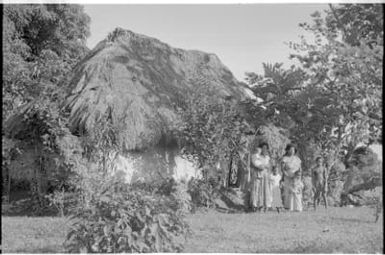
(275, 183)
(291, 170)
(319, 181)
(260, 194)
(295, 197)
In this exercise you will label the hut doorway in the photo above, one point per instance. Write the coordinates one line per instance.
(239, 170)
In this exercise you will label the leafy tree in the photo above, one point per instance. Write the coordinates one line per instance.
(369, 174)
(333, 100)
(41, 44)
(346, 60)
(210, 130)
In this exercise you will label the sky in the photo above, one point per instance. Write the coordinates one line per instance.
(243, 36)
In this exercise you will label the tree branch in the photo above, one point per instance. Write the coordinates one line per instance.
(337, 19)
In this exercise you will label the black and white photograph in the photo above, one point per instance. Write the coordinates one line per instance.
(183, 127)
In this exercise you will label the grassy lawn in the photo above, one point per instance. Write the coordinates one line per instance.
(341, 230)
(32, 234)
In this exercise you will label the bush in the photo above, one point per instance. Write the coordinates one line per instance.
(113, 216)
(62, 201)
(203, 193)
(178, 192)
(182, 198)
(126, 218)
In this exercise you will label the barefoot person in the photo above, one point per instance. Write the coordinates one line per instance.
(275, 182)
(319, 181)
(291, 168)
(295, 193)
(260, 194)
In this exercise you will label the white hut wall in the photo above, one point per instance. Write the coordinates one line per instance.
(154, 163)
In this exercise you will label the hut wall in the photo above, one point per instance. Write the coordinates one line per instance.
(154, 164)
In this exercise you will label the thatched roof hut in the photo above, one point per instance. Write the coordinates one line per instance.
(138, 82)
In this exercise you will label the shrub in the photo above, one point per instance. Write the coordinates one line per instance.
(126, 218)
(62, 201)
(113, 216)
(180, 198)
(203, 193)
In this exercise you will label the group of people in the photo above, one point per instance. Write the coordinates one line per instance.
(269, 189)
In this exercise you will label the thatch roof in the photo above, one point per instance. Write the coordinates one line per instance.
(138, 81)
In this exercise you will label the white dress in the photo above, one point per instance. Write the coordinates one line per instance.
(292, 200)
(260, 193)
(276, 191)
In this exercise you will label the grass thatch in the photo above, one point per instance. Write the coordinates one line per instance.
(137, 81)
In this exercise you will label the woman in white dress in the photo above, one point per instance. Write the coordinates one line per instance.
(291, 170)
(260, 193)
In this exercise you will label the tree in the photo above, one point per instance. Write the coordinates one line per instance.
(41, 44)
(211, 129)
(332, 101)
(220, 134)
(333, 98)
(346, 59)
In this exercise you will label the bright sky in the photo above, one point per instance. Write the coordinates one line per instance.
(243, 36)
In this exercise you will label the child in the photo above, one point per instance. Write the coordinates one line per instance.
(319, 181)
(296, 192)
(275, 181)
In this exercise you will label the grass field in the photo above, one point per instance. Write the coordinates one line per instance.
(337, 230)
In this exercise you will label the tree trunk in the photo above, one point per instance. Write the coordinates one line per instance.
(8, 186)
(42, 180)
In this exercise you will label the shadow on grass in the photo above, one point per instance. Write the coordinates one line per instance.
(24, 207)
(322, 249)
(347, 220)
(308, 247)
(48, 249)
(231, 206)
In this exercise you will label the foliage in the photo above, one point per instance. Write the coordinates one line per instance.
(41, 124)
(211, 129)
(102, 143)
(168, 187)
(347, 62)
(182, 198)
(62, 200)
(365, 171)
(332, 101)
(218, 131)
(203, 193)
(120, 218)
(8, 152)
(275, 137)
(41, 44)
(112, 216)
(364, 157)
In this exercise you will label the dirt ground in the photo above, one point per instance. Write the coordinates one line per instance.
(337, 230)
